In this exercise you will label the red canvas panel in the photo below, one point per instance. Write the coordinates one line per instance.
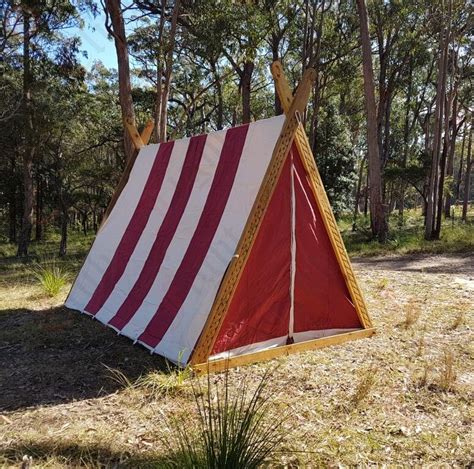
(134, 229)
(259, 310)
(209, 220)
(322, 300)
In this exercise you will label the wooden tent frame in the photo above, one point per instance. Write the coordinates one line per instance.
(292, 131)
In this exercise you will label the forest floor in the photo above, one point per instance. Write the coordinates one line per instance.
(403, 396)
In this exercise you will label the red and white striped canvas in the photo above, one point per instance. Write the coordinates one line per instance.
(155, 267)
(157, 263)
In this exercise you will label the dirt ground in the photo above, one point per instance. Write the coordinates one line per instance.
(402, 397)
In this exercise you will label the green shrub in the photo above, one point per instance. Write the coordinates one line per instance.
(235, 430)
(51, 277)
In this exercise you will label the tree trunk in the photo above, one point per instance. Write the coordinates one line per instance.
(461, 162)
(452, 148)
(406, 138)
(245, 89)
(12, 204)
(29, 147)
(220, 97)
(113, 10)
(357, 194)
(378, 219)
(275, 45)
(64, 223)
(39, 210)
(467, 175)
(431, 208)
(168, 74)
(442, 173)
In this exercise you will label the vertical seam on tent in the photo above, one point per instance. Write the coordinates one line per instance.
(291, 324)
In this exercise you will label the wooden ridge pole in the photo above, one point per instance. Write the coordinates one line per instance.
(138, 141)
(309, 163)
(231, 278)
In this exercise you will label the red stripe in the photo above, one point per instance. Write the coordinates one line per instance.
(165, 234)
(134, 230)
(198, 247)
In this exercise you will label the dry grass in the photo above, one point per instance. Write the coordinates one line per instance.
(412, 315)
(459, 320)
(447, 374)
(63, 409)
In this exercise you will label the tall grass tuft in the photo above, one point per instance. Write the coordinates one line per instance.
(447, 374)
(51, 277)
(235, 429)
(412, 314)
(367, 380)
(154, 383)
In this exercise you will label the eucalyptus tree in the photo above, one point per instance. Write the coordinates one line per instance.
(38, 26)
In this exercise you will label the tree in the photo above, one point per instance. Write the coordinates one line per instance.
(115, 26)
(378, 220)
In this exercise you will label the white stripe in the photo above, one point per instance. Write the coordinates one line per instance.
(277, 342)
(187, 326)
(291, 324)
(148, 236)
(111, 233)
(182, 237)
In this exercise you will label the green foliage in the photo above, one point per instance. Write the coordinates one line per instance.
(77, 123)
(235, 430)
(455, 237)
(335, 157)
(51, 277)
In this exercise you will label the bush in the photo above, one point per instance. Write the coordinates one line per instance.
(234, 430)
(52, 278)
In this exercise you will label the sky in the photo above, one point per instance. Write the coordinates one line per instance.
(95, 41)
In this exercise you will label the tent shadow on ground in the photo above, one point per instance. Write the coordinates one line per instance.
(79, 455)
(57, 355)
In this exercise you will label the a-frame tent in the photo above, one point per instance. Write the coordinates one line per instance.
(222, 249)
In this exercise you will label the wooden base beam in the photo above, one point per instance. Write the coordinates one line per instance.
(285, 350)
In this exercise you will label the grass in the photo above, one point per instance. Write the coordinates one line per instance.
(62, 408)
(155, 383)
(51, 277)
(236, 428)
(412, 315)
(365, 384)
(408, 239)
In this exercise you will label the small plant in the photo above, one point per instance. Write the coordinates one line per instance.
(235, 430)
(447, 374)
(158, 383)
(154, 383)
(412, 315)
(424, 379)
(365, 384)
(421, 344)
(51, 277)
(459, 320)
(382, 284)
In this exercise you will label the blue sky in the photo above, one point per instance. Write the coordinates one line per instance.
(95, 41)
